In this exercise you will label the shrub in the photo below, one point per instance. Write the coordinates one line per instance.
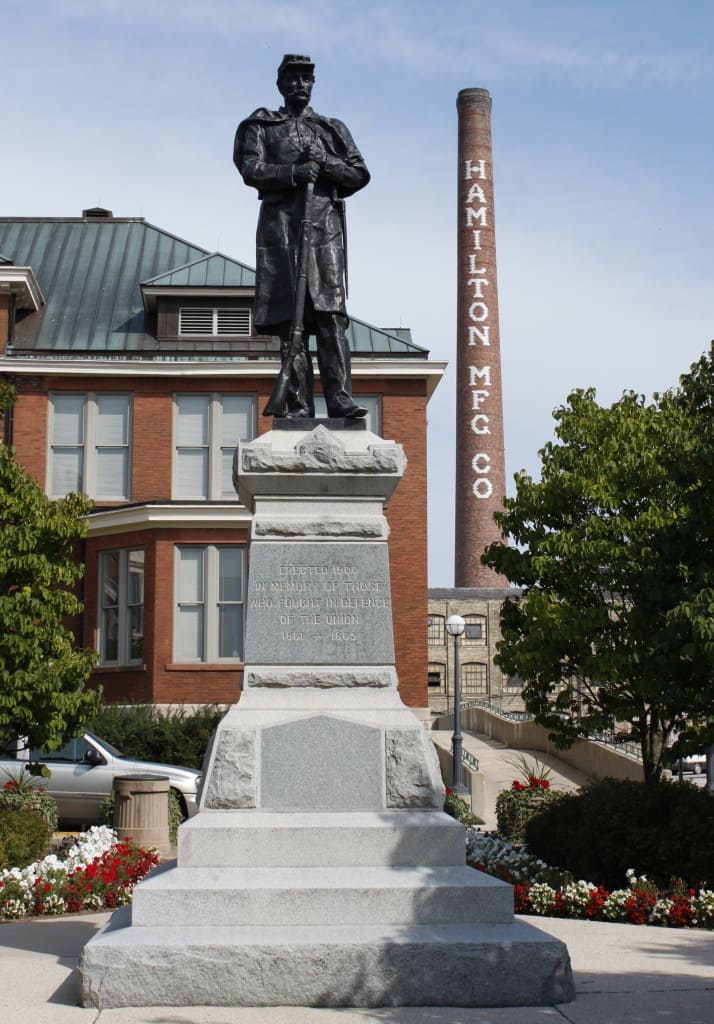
(459, 809)
(24, 791)
(24, 834)
(517, 806)
(142, 731)
(611, 825)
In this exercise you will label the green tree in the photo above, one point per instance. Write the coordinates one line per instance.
(42, 672)
(612, 547)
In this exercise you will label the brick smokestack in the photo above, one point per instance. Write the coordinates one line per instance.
(480, 460)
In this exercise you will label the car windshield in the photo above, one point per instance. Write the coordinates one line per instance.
(107, 746)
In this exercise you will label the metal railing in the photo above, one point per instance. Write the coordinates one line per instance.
(487, 705)
(469, 760)
(609, 739)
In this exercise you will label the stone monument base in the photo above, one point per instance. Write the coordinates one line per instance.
(322, 909)
(321, 869)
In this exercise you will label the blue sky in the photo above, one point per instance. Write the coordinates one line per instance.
(603, 157)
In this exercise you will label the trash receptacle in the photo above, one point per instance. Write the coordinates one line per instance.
(141, 811)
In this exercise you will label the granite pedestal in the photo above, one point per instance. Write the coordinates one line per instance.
(320, 869)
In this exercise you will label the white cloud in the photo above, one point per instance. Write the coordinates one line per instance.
(493, 41)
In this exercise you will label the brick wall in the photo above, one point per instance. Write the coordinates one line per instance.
(29, 430)
(404, 420)
(160, 679)
(173, 682)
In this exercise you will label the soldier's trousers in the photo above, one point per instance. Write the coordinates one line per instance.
(333, 359)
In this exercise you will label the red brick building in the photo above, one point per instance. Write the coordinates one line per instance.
(137, 371)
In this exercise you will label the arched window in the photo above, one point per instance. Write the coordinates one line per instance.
(475, 631)
(435, 630)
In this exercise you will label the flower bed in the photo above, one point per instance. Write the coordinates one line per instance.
(95, 872)
(24, 791)
(548, 892)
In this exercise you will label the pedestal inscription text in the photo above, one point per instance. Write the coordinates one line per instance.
(318, 610)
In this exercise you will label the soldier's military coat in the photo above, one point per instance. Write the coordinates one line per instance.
(267, 145)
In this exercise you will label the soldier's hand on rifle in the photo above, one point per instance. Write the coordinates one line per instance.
(315, 153)
(302, 173)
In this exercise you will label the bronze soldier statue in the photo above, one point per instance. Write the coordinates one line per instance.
(303, 165)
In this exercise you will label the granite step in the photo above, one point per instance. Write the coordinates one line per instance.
(333, 965)
(315, 896)
(359, 839)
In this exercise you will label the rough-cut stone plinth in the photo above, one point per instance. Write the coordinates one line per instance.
(233, 781)
(321, 869)
(448, 965)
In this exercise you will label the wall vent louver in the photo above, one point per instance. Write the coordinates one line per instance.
(215, 322)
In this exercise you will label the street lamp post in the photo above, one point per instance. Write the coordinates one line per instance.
(455, 627)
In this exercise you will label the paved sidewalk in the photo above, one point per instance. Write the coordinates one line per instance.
(624, 974)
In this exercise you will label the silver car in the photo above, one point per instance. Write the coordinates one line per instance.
(83, 776)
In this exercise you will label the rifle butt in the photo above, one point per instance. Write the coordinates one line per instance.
(278, 396)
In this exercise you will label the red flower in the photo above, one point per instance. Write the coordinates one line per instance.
(638, 906)
(521, 898)
(533, 783)
(680, 913)
(593, 910)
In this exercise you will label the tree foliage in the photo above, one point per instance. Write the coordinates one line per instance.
(614, 551)
(42, 672)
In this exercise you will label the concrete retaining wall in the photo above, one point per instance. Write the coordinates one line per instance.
(473, 781)
(595, 760)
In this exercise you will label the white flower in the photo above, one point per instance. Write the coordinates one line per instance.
(615, 906)
(660, 911)
(542, 898)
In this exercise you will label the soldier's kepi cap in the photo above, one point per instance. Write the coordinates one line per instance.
(296, 60)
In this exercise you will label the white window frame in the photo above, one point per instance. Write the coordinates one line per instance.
(210, 604)
(123, 606)
(90, 443)
(215, 446)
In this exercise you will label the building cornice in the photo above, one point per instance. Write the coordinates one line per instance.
(416, 369)
(22, 283)
(173, 516)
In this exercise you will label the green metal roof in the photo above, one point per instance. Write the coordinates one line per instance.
(91, 271)
(366, 340)
(215, 270)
